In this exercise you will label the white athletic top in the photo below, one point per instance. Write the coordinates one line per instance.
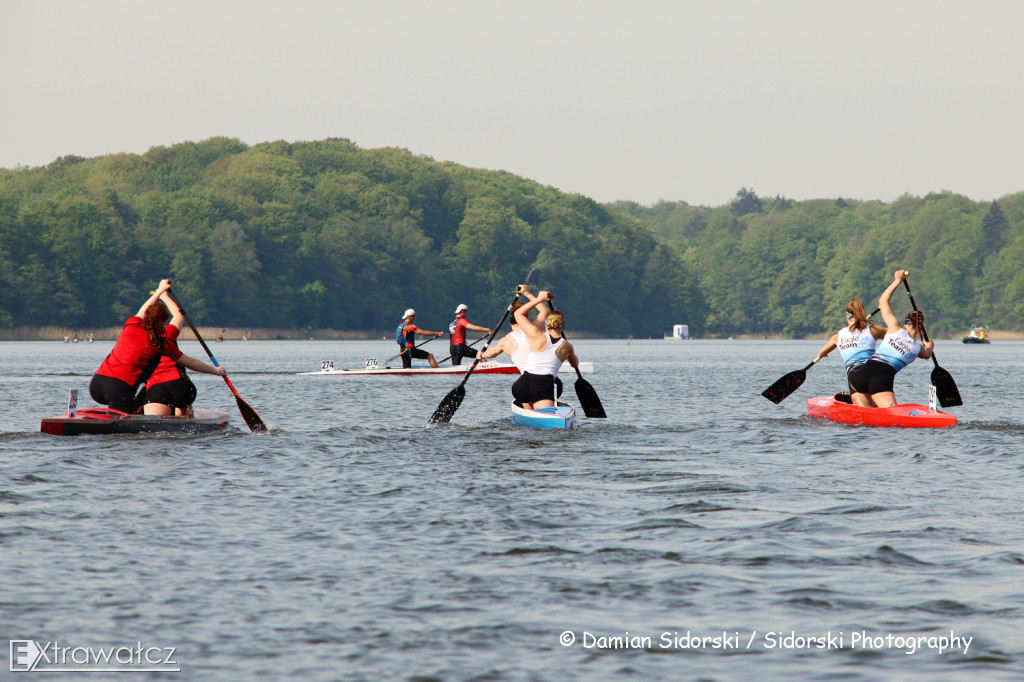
(545, 362)
(520, 349)
(856, 346)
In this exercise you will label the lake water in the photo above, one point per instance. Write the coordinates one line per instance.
(699, 532)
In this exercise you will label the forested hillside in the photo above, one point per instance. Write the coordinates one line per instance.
(321, 235)
(777, 266)
(314, 235)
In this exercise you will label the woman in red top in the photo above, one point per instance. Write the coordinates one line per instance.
(169, 390)
(135, 354)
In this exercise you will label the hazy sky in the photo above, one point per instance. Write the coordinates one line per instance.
(632, 99)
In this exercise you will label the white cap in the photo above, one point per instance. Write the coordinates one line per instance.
(409, 312)
(462, 306)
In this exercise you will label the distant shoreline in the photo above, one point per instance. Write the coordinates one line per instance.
(257, 334)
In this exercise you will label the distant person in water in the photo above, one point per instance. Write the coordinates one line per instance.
(897, 349)
(406, 337)
(548, 350)
(457, 330)
(169, 390)
(856, 343)
(135, 355)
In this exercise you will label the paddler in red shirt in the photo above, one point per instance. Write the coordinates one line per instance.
(169, 390)
(136, 354)
(457, 329)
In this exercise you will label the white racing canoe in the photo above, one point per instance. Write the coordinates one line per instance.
(561, 417)
(485, 367)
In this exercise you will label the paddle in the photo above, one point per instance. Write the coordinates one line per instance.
(785, 386)
(395, 357)
(447, 407)
(248, 414)
(589, 401)
(945, 388)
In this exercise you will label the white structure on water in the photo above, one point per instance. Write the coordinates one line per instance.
(679, 331)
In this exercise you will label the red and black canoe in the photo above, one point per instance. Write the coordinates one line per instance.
(103, 420)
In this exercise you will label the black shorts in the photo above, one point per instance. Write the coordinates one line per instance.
(179, 393)
(529, 388)
(873, 377)
(460, 351)
(113, 393)
(411, 353)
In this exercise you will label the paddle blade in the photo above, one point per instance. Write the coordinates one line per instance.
(444, 412)
(589, 401)
(945, 388)
(785, 386)
(252, 419)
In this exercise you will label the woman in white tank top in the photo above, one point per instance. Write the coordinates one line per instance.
(515, 344)
(548, 350)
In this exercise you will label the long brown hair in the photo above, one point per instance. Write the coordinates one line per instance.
(153, 322)
(855, 311)
(917, 319)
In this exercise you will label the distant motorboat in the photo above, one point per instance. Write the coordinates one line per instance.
(977, 335)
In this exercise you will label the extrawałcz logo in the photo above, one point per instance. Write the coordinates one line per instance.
(28, 656)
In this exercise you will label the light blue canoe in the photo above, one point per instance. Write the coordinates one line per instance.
(561, 417)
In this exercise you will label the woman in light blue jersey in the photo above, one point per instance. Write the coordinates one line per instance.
(856, 344)
(897, 349)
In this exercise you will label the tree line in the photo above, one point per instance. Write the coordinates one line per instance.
(321, 235)
(784, 267)
(324, 234)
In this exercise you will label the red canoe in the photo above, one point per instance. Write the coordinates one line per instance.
(103, 420)
(903, 414)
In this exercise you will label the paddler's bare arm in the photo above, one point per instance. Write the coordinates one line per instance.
(200, 366)
(542, 308)
(830, 346)
(177, 317)
(165, 284)
(495, 350)
(566, 353)
(891, 323)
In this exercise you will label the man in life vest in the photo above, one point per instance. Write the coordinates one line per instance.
(406, 338)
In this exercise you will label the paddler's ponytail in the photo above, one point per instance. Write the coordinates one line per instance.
(153, 321)
(917, 319)
(855, 311)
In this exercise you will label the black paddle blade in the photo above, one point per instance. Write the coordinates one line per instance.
(251, 418)
(945, 388)
(589, 401)
(785, 386)
(444, 412)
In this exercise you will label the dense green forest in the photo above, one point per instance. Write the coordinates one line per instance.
(321, 235)
(784, 267)
(314, 235)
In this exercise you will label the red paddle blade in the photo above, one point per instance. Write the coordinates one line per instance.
(252, 419)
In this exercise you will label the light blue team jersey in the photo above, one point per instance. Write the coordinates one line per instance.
(856, 346)
(897, 350)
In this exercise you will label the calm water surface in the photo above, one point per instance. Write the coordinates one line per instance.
(355, 543)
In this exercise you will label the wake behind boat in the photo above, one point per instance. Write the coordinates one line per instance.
(103, 420)
(372, 368)
(561, 417)
(902, 414)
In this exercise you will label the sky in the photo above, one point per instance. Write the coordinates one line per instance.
(641, 100)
